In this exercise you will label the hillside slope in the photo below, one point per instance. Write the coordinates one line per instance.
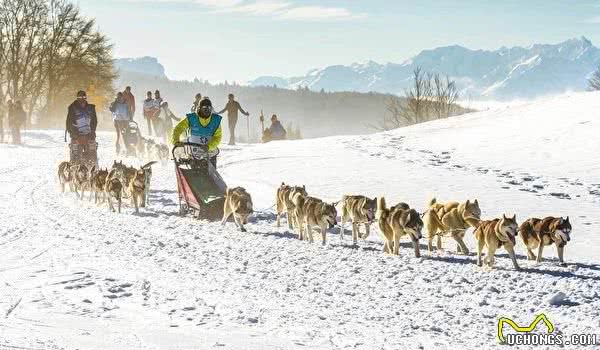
(77, 276)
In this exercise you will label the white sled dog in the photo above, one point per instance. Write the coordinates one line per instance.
(239, 204)
(310, 212)
(65, 177)
(284, 202)
(359, 210)
(396, 222)
(495, 234)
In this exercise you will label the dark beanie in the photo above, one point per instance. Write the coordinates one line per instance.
(205, 102)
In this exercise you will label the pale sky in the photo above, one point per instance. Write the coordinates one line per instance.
(239, 40)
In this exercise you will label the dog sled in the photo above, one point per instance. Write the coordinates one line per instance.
(200, 188)
(83, 150)
(131, 138)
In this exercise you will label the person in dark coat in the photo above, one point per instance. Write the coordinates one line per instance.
(81, 119)
(275, 132)
(16, 119)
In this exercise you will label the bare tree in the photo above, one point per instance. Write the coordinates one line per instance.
(594, 80)
(445, 96)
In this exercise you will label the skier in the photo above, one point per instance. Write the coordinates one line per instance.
(121, 117)
(203, 127)
(232, 107)
(81, 125)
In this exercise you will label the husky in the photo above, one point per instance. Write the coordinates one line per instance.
(113, 189)
(124, 174)
(148, 172)
(97, 185)
(65, 176)
(396, 222)
(137, 189)
(537, 233)
(495, 234)
(310, 212)
(360, 210)
(239, 204)
(451, 218)
(284, 202)
(80, 178)
(162, 152)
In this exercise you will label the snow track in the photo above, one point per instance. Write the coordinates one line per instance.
(74, 275)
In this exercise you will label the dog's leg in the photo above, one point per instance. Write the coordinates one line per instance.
(324, 234)
(416, 247)
(62, 187)
(308, 232)
(354, 233)
(119, 202)
(367, 231)
(560, 250)
(226, 215)
(277, 221)
(134, 202)
(491, 251)
(290, 219)
(438, 246)
(110, 205)
(462, 247)
(430, 242)
(342, 227)
(511, 252)
(540, 250)
(396, 250)
(480, 246)
(530, 255)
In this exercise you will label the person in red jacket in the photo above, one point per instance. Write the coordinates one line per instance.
(130, 99)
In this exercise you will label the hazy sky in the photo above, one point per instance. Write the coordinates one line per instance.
(238, 40)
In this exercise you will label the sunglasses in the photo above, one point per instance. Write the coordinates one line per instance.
(82, 97)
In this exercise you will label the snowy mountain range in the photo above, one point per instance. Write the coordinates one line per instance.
(143, 65)
(503, 74)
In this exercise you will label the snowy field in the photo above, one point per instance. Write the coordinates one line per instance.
(75, 276)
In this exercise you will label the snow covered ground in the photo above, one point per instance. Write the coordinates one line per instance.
(75, 276)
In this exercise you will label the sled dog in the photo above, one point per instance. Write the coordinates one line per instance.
(495, 234)
(80, 179)
(97, 185)
(537, 233)
(239, 204)
(137, 189)
(284, 202)
(148, 173)
(451, 218)
(65, 176)
(113, 189)
(396, 222)
(359, 210)
(312, 212)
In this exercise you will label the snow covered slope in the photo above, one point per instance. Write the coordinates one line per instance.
(75, 276)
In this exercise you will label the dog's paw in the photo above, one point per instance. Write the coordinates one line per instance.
(243, 229)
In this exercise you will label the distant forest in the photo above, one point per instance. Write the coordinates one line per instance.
(314, 114)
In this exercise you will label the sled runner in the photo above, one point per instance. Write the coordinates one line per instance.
(200, 188)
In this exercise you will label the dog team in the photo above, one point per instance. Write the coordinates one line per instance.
(112, 185)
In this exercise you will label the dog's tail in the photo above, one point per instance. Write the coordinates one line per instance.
(149, 164)
(382, 211)
(431, 202)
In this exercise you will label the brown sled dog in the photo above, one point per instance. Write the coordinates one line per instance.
(537, 233)
(451, 218)
(137, 189)
(97, 183)
(239, 204)
(113, 190)
(359, 210)
(396, 222)
(285, 204)
(310, 212)
(495, 234)
(80, 179)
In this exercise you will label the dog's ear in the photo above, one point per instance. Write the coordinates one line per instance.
(567, 220)
(476, 203)
(504, 216)
(304, 187)
(514, 217)
(468, 202)
(282, 183)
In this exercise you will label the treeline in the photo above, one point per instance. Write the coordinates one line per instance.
(49, 51)
(310, 113)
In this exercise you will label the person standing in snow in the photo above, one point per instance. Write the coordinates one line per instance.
(232, 107)
(130, 99)
(16, 119)
(121, 117)
(149, 111)
(81, 125)
(166, 117)
(203, 128)
(196, 102)
(2, 114)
